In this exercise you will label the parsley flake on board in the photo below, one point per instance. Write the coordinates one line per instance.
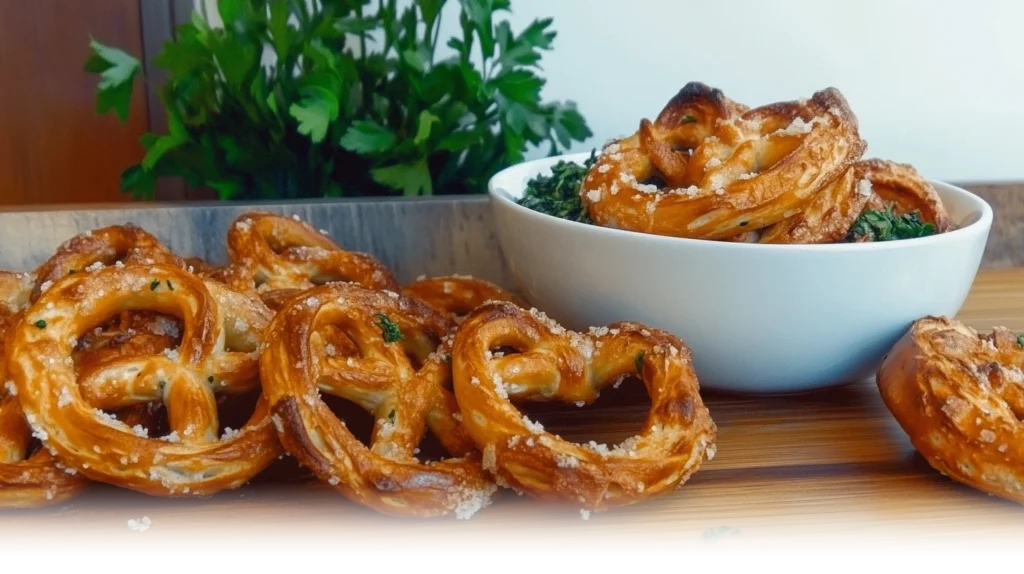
(388, 328)
(886, 225)
(719, 532)
(558, 194)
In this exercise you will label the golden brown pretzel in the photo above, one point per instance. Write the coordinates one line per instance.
(959, 396)
(707, 169)
(301, 361)
(458, 295)
(221, 333)
(900, 186)
(270, 252)
(27, 479)
(550, 363)
(123, 244)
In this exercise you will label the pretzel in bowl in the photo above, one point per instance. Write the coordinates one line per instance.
(69, 408)
(458, 295)
(549, 363)
(959, 396)
(710, 169)
(271, 252)
(392, 370)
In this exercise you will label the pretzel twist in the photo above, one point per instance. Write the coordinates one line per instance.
(458, 295)
(270, 252)
(550, 363)
(304, 358)
(68, 410)
(959, 396)
(709, 168)
(126, 244)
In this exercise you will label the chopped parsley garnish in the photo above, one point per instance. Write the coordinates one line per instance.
(70, 271)
(639, 362)
(40, 323)
(154, 285)
(717, 533)
(558, 194)
(209, 379)
(388, 328)
(170, 285)
(162, 384)
(1020, 340)
(688, 119)
(391, 416)
(886, 225)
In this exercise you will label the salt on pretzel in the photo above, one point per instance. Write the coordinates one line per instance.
(959, 396)
(550, 363)
(406, 397)
(270, 252)
(27, 479)
(458, 295)
(124, 244)
(680, 176)
(69, 410)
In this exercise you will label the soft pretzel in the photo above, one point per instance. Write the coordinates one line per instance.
(959, 396)
(458, 295)
(124, 244)
(550, 363)
(270, 252)
(303, 359)
(27, 479)
(710, 169)
(69, 410)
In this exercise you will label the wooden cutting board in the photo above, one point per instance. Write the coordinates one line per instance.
(827, 462)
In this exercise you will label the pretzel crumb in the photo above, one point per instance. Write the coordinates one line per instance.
(140, 525)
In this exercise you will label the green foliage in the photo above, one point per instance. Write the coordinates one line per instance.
(558, 194)
(886, 225)
(342, 98)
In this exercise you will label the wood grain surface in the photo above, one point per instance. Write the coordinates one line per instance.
(817, 464)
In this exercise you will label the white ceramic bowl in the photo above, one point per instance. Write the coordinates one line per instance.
(760, 319)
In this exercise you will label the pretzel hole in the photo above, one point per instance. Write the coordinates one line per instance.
(593, 422)
(357, 420)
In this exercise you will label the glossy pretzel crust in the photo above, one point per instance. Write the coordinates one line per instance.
(959, 396)
(551, 363)
(330, 339)
(222, 331)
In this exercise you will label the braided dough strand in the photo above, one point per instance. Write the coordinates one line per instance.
(340, 339)
(959, 396)
(69, 410)
(551, 363)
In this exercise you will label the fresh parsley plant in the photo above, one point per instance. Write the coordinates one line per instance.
(342, 98)
(886, 225)
(558, 194)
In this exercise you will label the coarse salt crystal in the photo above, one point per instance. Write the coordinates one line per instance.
(140, 525)
(864, 187)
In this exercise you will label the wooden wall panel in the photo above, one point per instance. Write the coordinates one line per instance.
(53, 146)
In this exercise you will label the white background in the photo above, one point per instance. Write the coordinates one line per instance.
(936, 83)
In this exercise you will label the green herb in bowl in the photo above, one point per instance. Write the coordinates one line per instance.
(886, 225)
(558, 194)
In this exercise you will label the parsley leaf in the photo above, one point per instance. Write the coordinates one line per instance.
(313, 116)
(368, 137)
(411, 178)
(719, 532)
(388, 328)
(1020, 340)
(117, 71)
(886, 225)
(558, 194)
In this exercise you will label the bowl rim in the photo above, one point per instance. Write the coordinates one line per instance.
(497, 192)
